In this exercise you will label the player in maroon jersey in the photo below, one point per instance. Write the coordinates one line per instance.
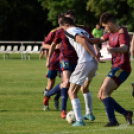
(54, 66)
(68, 61)
(119, 48)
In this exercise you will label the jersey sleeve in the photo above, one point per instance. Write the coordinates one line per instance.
(49, 39)
(123, 37)
(57, 38)
(106, 36)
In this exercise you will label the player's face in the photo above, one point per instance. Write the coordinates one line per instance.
(107, 27)
(70, 16)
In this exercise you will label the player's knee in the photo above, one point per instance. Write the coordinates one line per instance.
(102, 94)
(71, 93)
(66, 83)
(84, 90)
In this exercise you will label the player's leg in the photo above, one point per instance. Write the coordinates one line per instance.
(112, 82)
(89, 72)
(83, 72)
(57, 96)
(66, 67)
(107, 87)
(73, 90)
(64, 92)
(88, 101)
(41, 53)
(51, 75)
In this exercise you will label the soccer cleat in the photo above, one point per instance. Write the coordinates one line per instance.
(128, 117)
(56, 104)
(90, 117)
(46, 107)
(46, 103)
(112, 124)
(63, 114)
(133, 89)
(78, 123)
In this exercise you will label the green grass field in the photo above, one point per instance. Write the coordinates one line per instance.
(21, 101)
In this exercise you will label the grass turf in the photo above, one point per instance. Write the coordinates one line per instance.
(21, 101)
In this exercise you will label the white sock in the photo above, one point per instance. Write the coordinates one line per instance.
(77, 109)
(88, 102)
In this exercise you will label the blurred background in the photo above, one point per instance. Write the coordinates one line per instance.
(27, 20)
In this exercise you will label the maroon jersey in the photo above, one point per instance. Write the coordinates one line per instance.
(119, 60)
(54, 61)
(67, 51)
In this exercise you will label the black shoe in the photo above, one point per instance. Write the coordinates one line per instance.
(128, 117)
(112, 124)
(133, 89)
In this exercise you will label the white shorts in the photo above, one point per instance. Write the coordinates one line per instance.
(83, 71)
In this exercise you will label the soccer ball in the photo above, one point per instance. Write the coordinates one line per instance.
(70, 118)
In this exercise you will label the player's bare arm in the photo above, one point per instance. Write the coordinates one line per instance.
(51, 50)
(94, 40)
(85, 44)
(46, 46)
(122, 49)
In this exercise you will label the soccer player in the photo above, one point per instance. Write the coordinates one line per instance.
(119, 48)
(86, 93)
(68, 61)
(86, 65)
(54, 67)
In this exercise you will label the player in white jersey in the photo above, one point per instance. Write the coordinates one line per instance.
(86, 66)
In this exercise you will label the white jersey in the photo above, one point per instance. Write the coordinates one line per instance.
(82, 53)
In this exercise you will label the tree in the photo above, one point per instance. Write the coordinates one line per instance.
(89, 12)
(79, 6)
(122, 9)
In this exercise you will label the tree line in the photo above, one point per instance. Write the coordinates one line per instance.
(33, 19)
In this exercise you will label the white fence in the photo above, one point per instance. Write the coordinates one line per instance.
(19, 47)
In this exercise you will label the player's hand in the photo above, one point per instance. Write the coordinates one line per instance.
(48, 63)
(58, 46)
(110, 50)
(98, 54)
(98, 60)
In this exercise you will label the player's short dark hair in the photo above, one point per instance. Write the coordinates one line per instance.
(66, 20)
(70, 12)
(60, 15)
(107, 17)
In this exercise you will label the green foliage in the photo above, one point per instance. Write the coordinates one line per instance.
(89, 12)
(83, 16)
(122, 9)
